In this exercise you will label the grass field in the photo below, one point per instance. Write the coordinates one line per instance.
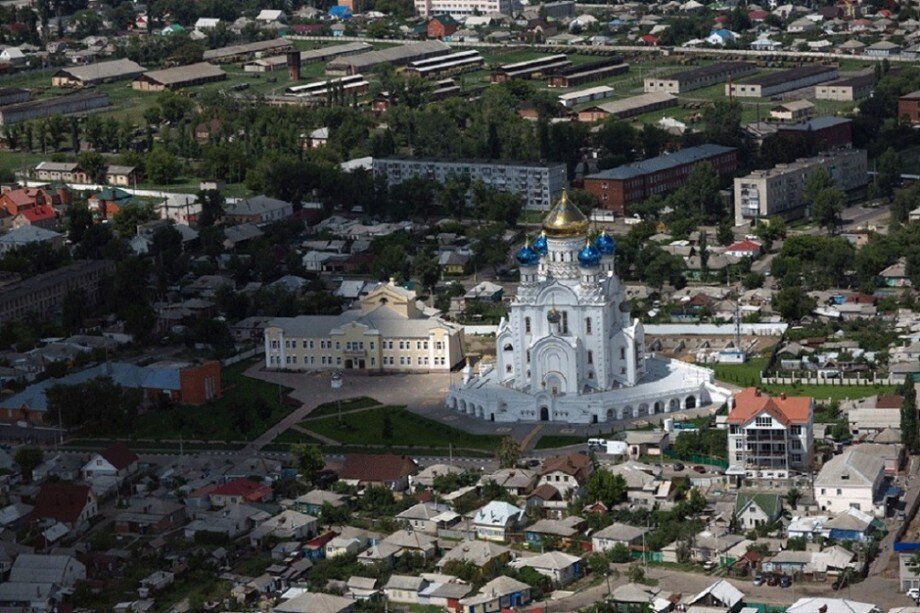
(333, 408)
(215, 421)
(408, 430)
(748, 374)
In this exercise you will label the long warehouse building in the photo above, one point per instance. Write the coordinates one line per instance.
(620, 187)
(236, 53)
(628, 107)
(397, 56)
(778, 82)
(100, 72)
(530, 68)
(313, 56)
(579, 74)
(538, 183)
(73, 104)
(697, 78)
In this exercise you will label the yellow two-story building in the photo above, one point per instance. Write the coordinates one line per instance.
(387, 331)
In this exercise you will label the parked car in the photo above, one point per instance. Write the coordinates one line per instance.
(785, 581)
(758, 579)
(709, 565)
(772, 580)
(678, 466)
(914, 593)
(699, 469)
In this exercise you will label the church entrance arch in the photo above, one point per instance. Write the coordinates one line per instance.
(544, 413)
(691, 402)
(554, 383)
(610, 415)
(673, 405)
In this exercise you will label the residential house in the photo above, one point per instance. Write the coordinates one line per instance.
(851, 525)
(496, 520)
(769, 437)
(426, 477)
(239, 491)
(479, 553)
(515, 481)
(150, 516)
(259, 210)
(744, 249)
(116, 462)
(390, 471)
(429, 517)
(566, 473)
(851, 480)
(562, 568)
(565, 530)
(122, 176)
(287, 525)
(350, 541)
(30, 235)
(441, 26)
(37, 582)
(314, 602)
(721, 596)
(233, 521)
(831, 605)
(312, 502)
(71, 505)
(549, 501)
(616, 534)
(633, 596)
(361, 588)
(404, 589)
(407, 541)
(42, 216)
(641, 443)
(754, 509)
(496, 595)
(64, 172)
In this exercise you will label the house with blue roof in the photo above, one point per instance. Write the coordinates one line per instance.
(720, 37)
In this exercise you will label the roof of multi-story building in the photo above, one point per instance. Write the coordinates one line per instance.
(663, 162)
(787, 410)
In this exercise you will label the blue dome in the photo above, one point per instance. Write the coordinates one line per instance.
(605, 244)
(539, 245)
(526, 256)
(589, 256)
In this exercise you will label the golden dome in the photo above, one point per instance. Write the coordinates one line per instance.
(565, 219)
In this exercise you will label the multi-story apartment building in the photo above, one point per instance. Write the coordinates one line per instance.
(769, 437)
(620, 187)
(43, 295)
(427, 8)
(539, 184)
(387, 331)
(779, 190)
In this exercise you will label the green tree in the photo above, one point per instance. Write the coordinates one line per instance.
(28, 459)
(793, 496)
(793, 303)
(93, 164)
(722, 123)
(606, 487)
(386, 427)
(74, 310)
(508, 452)
(130, 216)
(161, 166)
(212, 207)
(827, 207)
(425, 267)
(910, 436)
(309, 459)
(889, 172)
(636, 574)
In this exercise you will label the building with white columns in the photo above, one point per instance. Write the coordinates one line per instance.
(569, 350)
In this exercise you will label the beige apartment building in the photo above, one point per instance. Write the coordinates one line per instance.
(778, 190)
(387, 331)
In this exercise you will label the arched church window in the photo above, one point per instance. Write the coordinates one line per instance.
(565, 322)
(622, 353)
(508, 347)
(587, 325)
(526, 325)
(590, 357)
(528, 356)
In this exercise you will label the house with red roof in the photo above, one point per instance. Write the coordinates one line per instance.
(63, 503)
(744, 249)
(116, 462)
(42, 216)
(649, 39)
(240, 491)
(385, 470)
(14, 201)
(769, 437)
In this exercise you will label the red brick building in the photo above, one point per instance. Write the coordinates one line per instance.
(909, 108)
(441, 26)
(819, 133)
(620, 187)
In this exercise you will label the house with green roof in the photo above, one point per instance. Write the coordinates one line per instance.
(754, 509)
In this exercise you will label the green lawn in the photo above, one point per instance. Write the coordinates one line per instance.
(408, 430)
(333, 408)
(745, 375)
(216, 421)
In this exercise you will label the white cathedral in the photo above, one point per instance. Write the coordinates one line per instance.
(569, 350)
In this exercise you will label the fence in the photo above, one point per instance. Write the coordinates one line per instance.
(829, 381)
(697, 459)
(244, 355)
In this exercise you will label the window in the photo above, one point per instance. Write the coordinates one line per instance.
(839, 492)
(764, 421)
(305, 344)
(587, 325)
(590, 357)
(797, 430)
(565, 322)
(527, 355)
(439, 346)
(622, 353)
(526, 325)
(739, 444)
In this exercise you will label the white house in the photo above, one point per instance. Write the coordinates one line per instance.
(117, 462)
(496, 520)
(744, 249)
(851, 479)
(287, 525)
(757, 509)
(617, 534)
(831, 605)
(562, 568)
(429, 517)
(404, 589)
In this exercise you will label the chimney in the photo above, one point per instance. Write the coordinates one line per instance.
(293, 65)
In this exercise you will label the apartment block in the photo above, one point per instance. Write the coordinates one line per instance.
(769, 437)
(539, 184)
(620, 187)
(778, 190)
(42, 295)
(388, 332)
(427, 8)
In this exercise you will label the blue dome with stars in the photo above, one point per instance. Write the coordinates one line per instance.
(539, 245)
(527, 257)
(605, 244)
(589, 256)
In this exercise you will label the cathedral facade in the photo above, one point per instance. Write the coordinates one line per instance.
(569, 350)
